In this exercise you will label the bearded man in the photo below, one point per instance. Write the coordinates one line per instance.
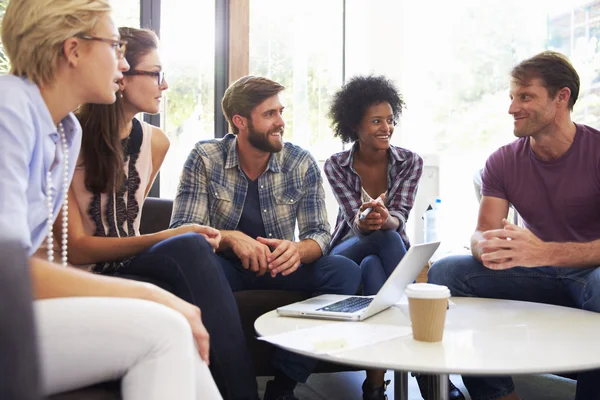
(255, 189)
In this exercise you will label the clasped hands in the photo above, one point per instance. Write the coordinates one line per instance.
(266, 255)
(512, 246)
(376, 218)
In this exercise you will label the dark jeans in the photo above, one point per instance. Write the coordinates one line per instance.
(378, 254)
(327, 275)
(186, 266)
(568, 287)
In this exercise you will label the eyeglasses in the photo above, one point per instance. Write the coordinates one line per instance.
(160, 76)
(119, 45)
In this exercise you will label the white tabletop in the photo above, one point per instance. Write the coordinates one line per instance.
(482, 337)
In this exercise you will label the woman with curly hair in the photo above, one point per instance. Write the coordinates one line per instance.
(372, 175)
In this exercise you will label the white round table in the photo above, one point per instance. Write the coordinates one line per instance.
(481, 337)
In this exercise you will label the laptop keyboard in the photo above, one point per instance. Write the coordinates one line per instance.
(349, 305)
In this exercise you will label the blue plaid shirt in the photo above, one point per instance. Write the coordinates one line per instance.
(213, 189)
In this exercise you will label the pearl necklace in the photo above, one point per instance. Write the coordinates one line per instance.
(65, 206)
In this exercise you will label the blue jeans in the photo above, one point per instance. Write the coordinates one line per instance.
(327, 275)
(569, 287)
(186, 266)
(378, 254)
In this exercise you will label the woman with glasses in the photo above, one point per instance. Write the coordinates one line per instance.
(120, 157)
(90, 328)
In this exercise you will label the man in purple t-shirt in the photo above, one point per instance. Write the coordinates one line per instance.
(551, 175)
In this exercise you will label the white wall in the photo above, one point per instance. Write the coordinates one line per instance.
(429, 189)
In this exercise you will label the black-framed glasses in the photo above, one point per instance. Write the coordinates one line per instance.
(159, 75)
(119, 45)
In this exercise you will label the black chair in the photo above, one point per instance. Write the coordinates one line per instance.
(19, 376)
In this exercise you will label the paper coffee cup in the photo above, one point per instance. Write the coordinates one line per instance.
(427, 304)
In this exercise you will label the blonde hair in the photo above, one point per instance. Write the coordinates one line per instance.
(33, 32)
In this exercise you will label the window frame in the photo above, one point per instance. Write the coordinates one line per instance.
(227, 68)
(232, 57)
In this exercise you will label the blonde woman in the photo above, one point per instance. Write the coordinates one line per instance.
(90, 328)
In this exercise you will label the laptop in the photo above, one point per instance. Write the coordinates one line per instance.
(358, 308)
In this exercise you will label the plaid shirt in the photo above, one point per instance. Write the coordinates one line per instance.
(404, 172)
(213, 188)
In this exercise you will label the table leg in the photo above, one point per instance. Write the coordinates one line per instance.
(441, 387)
(400, 385)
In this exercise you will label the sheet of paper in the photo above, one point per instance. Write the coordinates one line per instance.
(337, 337)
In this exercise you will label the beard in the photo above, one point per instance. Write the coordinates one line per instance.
(260, 140)
(537, 121)
(533, 126)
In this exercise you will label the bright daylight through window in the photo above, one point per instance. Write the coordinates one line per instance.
(188, 54)
(452, 62)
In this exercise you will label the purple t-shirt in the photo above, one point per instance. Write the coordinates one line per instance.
(558, 200)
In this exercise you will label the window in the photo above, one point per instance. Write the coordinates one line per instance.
(452, 63)
(187, 51)
(4, 65)
(126, 13)
(303, 50)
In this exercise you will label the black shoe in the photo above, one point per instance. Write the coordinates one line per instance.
(377, 393)
(272, 392)
(427, 381)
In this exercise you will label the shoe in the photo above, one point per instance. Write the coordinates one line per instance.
(274, 393)
(426, 381)
(377, 393)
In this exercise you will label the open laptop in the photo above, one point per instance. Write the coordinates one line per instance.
(358, 308)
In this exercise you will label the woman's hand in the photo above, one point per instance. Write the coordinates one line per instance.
(212, 235)
(376, 218)
(191, 313)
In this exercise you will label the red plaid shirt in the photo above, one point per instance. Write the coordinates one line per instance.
(404, 172)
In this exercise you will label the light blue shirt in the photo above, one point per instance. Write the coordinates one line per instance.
(30, 145)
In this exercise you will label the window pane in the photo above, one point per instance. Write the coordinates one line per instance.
(4, 66)
(453, 66)
(126, 13)
(187, 50)
(302, 50)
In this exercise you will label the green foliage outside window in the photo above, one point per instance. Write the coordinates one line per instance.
(4, 64)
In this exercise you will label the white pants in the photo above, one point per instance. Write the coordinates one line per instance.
(88, 340)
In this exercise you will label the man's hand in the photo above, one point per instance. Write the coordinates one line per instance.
(376, 218)
(512, 246)
(252, 253)
(285, 258)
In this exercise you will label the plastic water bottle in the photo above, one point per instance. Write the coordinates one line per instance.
(432, 223)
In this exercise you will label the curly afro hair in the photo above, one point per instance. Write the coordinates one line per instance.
(352, 100)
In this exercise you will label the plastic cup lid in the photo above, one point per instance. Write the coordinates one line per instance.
(427, 291)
